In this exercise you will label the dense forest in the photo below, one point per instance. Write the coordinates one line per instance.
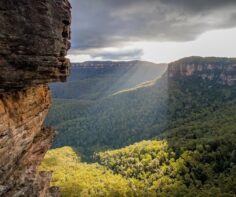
(204, 167)
(145, 111)
(88, 85)
(80, 179)
(183, 132)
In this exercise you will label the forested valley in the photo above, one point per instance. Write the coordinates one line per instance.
(165, 136)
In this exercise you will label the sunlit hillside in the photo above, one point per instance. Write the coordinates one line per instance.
(148, 168)
(77, 179)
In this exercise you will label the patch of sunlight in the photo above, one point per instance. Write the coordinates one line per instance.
(137, 87)
(81, 179)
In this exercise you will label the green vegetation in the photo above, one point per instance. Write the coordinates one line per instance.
(146, 112)
(80, 179)
(194, 156)
(78, 102)
(148, 168)
(185, 129)
(166, 171)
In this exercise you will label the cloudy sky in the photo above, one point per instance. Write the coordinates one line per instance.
(153, 30)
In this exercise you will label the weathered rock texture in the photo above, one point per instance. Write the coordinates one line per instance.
(33, 43)
(221, 70)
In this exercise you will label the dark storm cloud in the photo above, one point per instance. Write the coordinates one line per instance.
(111, 23)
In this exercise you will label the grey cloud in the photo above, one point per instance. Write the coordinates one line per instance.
(109, 23)
(125, 54)
(132, 54)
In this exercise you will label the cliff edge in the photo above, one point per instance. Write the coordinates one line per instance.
(34, 40)
(220, 70)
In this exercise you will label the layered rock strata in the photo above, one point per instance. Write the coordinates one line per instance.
(221, 70)
(33, 43)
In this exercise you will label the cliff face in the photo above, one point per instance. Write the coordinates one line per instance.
(33, 44)
(221, 70)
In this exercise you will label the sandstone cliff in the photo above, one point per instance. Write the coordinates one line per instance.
(33, 43)
(220, 70)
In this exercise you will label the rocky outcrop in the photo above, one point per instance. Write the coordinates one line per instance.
(33, 44)
(221, 70)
